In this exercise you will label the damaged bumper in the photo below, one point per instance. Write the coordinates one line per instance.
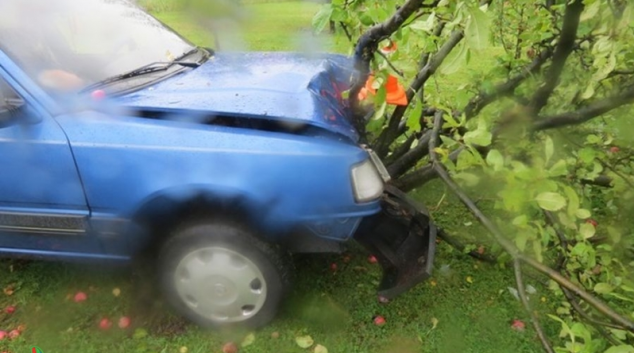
(403, 239)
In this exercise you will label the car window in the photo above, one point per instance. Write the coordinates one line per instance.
(9, 99)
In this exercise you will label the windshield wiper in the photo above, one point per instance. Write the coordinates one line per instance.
(147, 69)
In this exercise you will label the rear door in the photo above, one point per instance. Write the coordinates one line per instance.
(43, 209)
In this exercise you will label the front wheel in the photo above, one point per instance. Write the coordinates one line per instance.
(219, 274)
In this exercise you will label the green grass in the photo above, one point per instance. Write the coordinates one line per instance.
(469, 300)
(266, 26)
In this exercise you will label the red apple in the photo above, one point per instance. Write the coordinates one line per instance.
(105, 324)
(14, 334)
(80, 297)
(614, 149)
(372, 259)
(518, 325)
(124, 322)
(3, 335)
(379, 320)
(593, 222)
(333, 266)
(229, 347)
(9, 309)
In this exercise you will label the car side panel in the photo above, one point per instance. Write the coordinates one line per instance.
(290, 179)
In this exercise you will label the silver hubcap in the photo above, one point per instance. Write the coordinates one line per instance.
(220, 284)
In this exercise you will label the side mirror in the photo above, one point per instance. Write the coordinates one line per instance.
(10, 110)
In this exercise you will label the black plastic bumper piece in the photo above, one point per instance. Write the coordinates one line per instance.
(403, 239)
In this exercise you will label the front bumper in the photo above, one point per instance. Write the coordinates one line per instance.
(403, 239)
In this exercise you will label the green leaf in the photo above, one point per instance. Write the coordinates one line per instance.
(468, 179)
(322, 18)
(565, 329)
(248, 340)
(582, 213)
(481, 136)
(587, 230)
(559, 169)
(573, 200)
(477, 30)
(603, 288)
(521, 239)
(304, 341)
(380, 112)
(549, 148)
(413, 121)
(620, 349)
(619, 296)
(320, 349)
(426, 25)
(139, 333)
(520, 221)
(495, 160)
(550, 201)
(453, 64)
(590, 11)
(587, 155)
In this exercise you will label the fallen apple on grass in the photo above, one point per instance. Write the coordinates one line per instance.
(229, 347)
(14, 334)
(105, 324)
(80, 297)
(379, 320)
(518, 325)
(9, 309)
(124, 322)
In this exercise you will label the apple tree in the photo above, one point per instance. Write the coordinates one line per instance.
(527, 102)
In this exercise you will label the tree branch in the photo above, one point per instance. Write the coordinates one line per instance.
(401, 150)
(399, 72)
(409, 159)
(522, 294)
(460, 247)
(390, 133)
(587, 113)
(400, 166)
(510, 248)
(477, 103)
(562, 51)
(364, 52)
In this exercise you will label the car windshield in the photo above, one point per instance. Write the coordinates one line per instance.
(69, 44)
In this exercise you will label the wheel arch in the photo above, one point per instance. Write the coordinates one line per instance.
(160, 213)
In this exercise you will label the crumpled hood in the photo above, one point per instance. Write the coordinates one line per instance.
(282, 86)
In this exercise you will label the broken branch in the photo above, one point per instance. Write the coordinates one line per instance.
(522, 294)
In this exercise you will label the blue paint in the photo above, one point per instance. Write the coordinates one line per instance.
(285, 86)
(88, 168)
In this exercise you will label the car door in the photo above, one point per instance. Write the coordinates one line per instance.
(43, 209)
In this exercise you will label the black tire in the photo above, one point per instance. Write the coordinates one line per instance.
(273, 264)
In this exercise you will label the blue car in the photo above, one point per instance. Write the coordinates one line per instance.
(119, 138)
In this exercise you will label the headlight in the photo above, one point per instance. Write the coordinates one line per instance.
(366, 181)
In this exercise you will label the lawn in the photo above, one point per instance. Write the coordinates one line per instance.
(465, 307)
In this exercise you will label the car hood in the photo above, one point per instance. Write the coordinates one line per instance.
(276, 86)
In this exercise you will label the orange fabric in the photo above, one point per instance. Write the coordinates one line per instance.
(390, 48)
(395, 91)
